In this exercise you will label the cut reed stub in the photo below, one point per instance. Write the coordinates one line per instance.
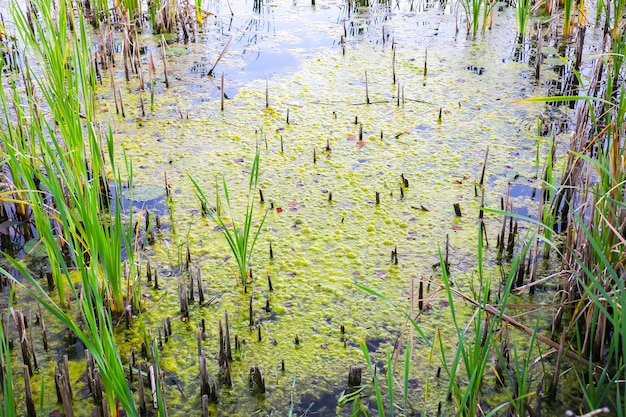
(256, 382)
(142, 397)
(208, 387)
(184, 302)
(457, 210)
(148, 271)
(354, 376)
(30, 403)
(42, 325)
(482, 174)
(377, 198)
(420, 296)
(205, 406)
(405, 181)
(394, 256)
(227, 345)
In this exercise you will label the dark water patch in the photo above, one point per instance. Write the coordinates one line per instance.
(322, 404)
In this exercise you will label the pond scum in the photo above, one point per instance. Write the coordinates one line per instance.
(107, 308)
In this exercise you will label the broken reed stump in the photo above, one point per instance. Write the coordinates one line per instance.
(30, 404)
(208, 388)
(538, 54)
(200, 286)
(163, 56)
(457, 210)
(394, 256)
(354, 377)
(184, 302)
(482, 174)
(42, 324)
(229, 353)
(27, 356)
(205, 406)
(63, 389)
(420, 296)
(256, 381)
(199, 340)
(142, 397)
(222, 358)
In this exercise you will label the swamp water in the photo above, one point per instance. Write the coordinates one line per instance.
(337, 136)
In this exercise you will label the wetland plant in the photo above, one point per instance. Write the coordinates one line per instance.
(474, 20)
(56, 159)
(241, 237)
(6, 370)
(474, 342)
(523, 9)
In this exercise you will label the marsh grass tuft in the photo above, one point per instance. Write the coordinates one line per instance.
(241, 240)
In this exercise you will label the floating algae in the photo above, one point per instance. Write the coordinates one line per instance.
(434, 135)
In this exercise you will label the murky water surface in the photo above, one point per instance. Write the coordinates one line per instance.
(451, 99)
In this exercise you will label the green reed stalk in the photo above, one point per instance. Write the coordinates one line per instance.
(517, 377)
(522, 8)
(473, 348)
(154, 7)
(473, 10)
(71, 164)
(240, 240)
(8, 394)
(619, 9)
(390, 383)
(567, 16)
(608, 299)
(62, 174)
(199, 12)
(368, 360)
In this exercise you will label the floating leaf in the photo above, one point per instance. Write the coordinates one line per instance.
(35, 249)
(145, 192)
